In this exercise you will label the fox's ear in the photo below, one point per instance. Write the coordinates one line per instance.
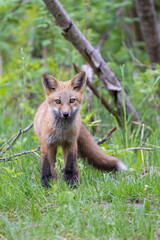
(49, 83)
(78, 82)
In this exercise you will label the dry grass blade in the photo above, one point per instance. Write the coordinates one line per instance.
(142, 134)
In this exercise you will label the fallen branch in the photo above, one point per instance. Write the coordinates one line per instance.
(14, 138)
(106, 137)
(99, 96)
(5, 159)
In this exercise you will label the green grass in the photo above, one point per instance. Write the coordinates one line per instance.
(105, 205)
(114, 206)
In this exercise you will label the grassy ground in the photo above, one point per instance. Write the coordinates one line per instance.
(105, 205)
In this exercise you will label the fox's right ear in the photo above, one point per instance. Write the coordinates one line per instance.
(78, 82)
(49, 83)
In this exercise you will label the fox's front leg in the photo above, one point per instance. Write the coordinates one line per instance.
(48, 160)
(71, 170)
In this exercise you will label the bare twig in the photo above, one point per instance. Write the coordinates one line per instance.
(37, 153)
(139, 148)
(151, 145)
(106, 137)
(146, 126)
(6, 143)
(138, 62)
(14, 138)
(19, 154)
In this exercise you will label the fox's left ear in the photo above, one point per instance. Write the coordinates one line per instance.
(78, 82)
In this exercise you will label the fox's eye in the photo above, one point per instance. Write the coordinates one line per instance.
(72, 100)
(58, 101)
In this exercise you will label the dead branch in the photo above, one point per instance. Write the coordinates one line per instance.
(14, 138)
(107, 136)
(100, 96)
(20, 154)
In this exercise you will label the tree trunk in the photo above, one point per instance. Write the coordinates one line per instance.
(149, 27)
(91, 55)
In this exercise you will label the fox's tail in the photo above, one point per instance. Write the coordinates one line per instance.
(88, 149)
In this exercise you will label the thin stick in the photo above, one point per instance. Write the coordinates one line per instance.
(106, 137)
(139, 63)
(142, 134)
(19, 154)
(37, 154)
(14, 138)
(6, 143)
(148, 127)
(139, 148)
(27, 128)
(151, 145)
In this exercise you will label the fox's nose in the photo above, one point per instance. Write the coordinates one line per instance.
(65, 114)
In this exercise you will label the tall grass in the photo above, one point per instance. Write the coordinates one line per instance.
(122, 205)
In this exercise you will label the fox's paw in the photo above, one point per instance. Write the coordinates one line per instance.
(45, 182)
(71, 179)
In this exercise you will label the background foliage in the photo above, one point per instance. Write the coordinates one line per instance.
(104, 204)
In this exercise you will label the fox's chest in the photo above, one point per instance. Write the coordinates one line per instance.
(63, 133)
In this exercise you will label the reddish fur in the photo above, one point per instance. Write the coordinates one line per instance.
(54, 129)
(88, 149)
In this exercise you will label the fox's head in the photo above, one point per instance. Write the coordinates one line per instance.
(64, 98)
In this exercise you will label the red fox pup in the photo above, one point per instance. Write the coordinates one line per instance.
(58, 122)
